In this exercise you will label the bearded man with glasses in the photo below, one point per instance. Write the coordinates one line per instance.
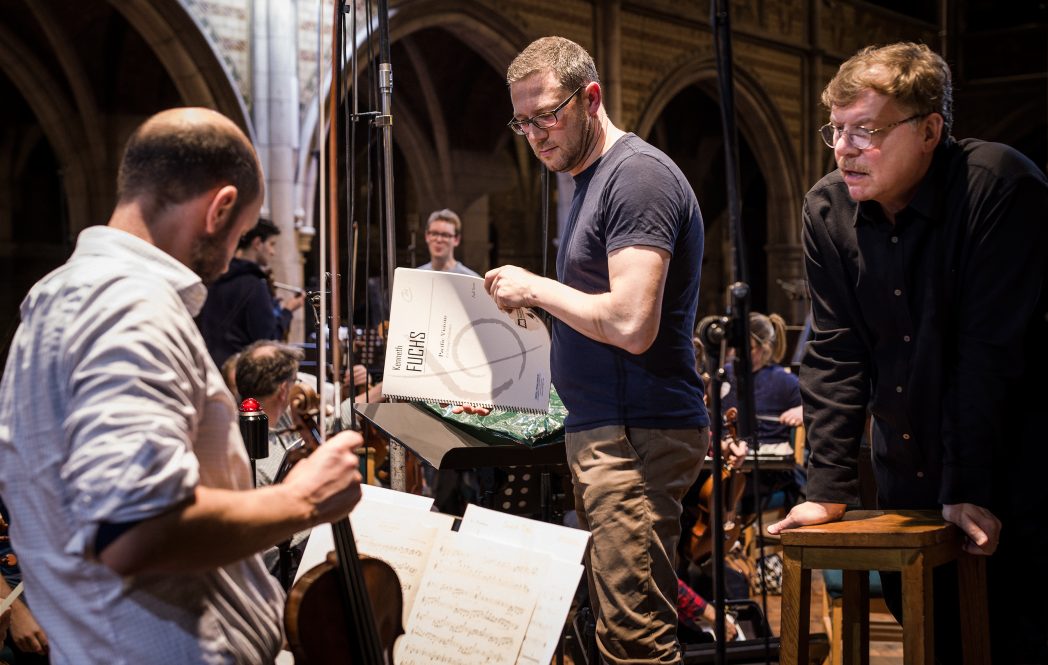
(624, 302)
(926, 261)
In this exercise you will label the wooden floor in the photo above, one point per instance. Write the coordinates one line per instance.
(881, 653)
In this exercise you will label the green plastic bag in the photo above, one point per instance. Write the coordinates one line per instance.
(502, 426)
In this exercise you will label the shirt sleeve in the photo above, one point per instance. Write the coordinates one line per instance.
(1001, 284)
(834, 376)
(134, 385)
(643, 207)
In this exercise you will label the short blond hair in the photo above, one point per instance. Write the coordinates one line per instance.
(912, 74)
(446, 215)
(571, 63)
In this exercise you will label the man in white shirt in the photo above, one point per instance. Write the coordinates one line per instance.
(124, 468)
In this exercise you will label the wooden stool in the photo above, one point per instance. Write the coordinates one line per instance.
(913, 542)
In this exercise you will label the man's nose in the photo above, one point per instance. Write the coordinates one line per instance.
(531, 130)
(844, 148)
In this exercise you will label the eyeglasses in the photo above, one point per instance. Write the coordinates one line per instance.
(440, 234)
(859, 138)
(543, 120)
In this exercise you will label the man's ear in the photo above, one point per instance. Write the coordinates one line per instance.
(592, 96)
(284, 391)
(220, 209)
(931, 130)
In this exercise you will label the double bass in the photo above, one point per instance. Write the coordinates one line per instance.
(348, 609)
(699, 544)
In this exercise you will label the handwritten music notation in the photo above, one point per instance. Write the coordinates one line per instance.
(400, 536)
(557, 590)
(497, 591)
(474, 604)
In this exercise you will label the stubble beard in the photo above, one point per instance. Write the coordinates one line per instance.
(209, 257)
(574, 153)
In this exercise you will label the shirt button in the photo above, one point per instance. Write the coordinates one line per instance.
(898, 389)
(906, 338)
(906, 437)
(895, 239)
(898, 292)
(920, 474)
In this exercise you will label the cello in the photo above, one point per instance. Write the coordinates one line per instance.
(733, 483)
(329, 616)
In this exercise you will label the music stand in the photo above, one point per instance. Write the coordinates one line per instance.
(444, 446)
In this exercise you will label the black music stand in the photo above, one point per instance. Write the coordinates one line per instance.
(529, 471)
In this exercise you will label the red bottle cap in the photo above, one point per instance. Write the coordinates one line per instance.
(250, 404)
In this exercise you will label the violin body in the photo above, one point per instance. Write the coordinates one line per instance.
(315, 621)
(349, 608)
(699, 542)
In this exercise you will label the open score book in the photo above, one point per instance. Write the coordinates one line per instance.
(448, 342)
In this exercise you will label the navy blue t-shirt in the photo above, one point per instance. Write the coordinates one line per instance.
(774, 390)
(633, 195)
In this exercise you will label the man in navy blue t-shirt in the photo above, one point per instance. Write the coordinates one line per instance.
(624, 304)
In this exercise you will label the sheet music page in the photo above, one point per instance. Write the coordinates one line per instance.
(379, 523)
(547, 622)
(561, 542)
(405, 499)
(474, 604)
(401, 537)
(565, 544)
(448, 342)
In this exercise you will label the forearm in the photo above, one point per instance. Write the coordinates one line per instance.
(603, 317)
(215, 528)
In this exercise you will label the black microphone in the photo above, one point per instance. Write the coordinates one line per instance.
(711, 330)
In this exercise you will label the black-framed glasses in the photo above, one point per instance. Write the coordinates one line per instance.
(543, 120)
(859, 138)
(440, 234)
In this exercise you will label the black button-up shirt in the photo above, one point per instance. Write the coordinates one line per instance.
(936, 325)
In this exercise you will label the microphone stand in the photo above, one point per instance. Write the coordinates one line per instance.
(731, 330)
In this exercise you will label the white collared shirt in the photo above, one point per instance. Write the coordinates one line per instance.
(111, 410)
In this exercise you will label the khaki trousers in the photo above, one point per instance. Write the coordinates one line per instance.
(628, 486)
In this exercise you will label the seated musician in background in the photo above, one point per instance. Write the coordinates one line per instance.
(777, 403)
(129, 484)
(927, 261)
(267, 371)
(695, 543)
(26, 640)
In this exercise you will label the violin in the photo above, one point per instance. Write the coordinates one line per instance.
(699, 544)
(330, 616)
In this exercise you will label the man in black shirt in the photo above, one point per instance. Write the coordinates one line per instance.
(926, 260)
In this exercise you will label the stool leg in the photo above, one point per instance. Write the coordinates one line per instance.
(855, 631)
(918, 613)
(975, 624)
(796, 607)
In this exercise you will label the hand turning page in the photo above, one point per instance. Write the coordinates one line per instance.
(448, 342)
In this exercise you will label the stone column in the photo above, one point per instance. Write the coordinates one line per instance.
(275, 106)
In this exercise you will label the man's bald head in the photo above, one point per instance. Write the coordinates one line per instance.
(179, 154)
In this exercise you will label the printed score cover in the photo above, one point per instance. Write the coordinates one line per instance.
(449, 343)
